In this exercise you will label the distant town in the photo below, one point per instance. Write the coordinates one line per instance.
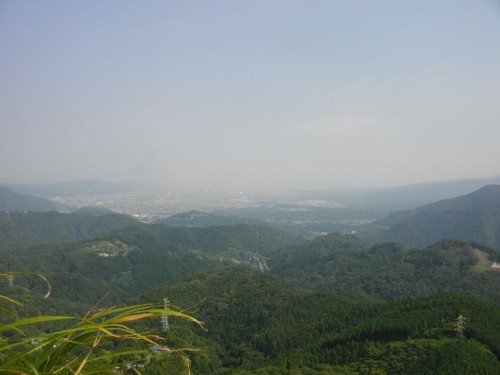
(149, 206)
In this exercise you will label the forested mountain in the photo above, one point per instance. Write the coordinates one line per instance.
(202, 219)
(126, 262)
(255, 323)
(487, 195)
(24, 229)
(335, 262)
(474, 217)
(257, 326)
(235, 240)
(137, 258)
(13, 201)
(339, 262)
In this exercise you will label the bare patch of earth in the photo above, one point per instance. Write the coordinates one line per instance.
(484, 260)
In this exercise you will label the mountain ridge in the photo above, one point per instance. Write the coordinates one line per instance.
(195, 218)
(388, 271)
(474, 217)
(26, 229)
(10, 200)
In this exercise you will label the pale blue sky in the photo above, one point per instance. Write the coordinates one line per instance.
(289, 94)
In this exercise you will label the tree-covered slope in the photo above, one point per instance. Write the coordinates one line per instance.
(137, 258)
(237, 239)
(255, 325)
(25, 229)
(202, 219)
(473, 217)
(126, 262)
(479, 224)
(339, 262)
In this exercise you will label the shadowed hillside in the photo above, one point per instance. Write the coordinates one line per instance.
(12, 201)
(25, 229)
(473, 217)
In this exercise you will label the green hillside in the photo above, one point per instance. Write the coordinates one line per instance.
(339, 262)
(236, 240)
(126, 262)
(479, 224)
(25, 229)
(202, 219)
(257, 326)
(473, 217)
(255, 323)
(137, 258)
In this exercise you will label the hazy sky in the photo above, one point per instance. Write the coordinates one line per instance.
(279, 93)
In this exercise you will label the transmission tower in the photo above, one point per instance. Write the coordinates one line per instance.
(11, 280)
(164, 317)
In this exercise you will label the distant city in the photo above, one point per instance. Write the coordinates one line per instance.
(149, 206)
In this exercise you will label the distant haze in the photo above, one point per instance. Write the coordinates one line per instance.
(261, 93)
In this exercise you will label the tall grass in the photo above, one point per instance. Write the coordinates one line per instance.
(77, 346)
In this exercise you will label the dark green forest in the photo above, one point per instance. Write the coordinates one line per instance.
(389, 271)
(20, 229)
(270, 301)
(258, 324)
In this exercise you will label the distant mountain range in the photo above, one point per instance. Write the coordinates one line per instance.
(473, 217)
(402, 197)
(13, 201)
(387, 198)
(87, 187)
